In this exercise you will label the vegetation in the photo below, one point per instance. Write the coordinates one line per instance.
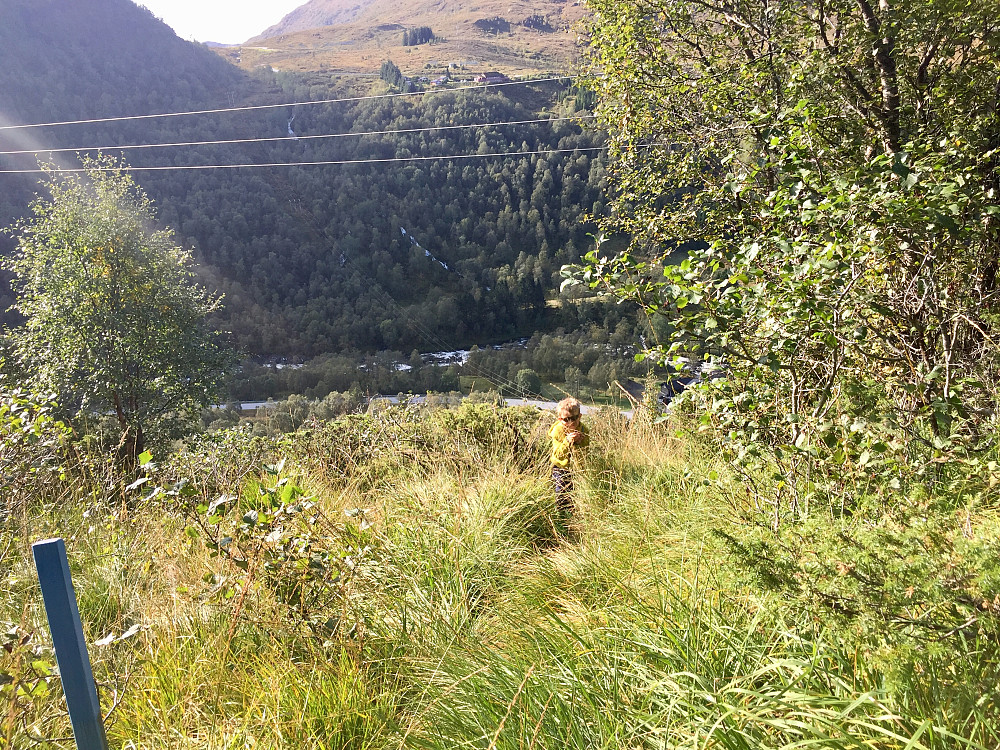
(430, 254)
(94, 58)
(831, 171)
(538, 23)
(391, 74)
(418, 35)
(599, 355)
(494, 25)
(802, 553)
(394, 580)
(113, 321)
(425, 242)
(354, 260)
(330, 36)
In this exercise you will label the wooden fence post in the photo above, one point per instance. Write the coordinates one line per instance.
(71, 649)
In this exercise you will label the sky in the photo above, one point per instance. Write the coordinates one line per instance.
(223, 21)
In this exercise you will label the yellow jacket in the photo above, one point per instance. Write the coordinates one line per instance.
(562, 446)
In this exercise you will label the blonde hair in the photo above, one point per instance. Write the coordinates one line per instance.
(568, 407)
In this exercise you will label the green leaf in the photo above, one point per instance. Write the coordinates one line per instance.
(275, 469)
(41, 668)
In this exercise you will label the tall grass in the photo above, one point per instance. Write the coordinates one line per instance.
(461, 615)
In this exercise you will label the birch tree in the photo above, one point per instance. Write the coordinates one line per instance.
(114, 321)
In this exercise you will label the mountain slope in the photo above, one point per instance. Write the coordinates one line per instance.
(314, 14)
(361, 239)
(95, 57)
(520, 38)
(63, 60)
(80, 59)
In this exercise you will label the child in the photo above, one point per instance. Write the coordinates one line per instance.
(567, 432)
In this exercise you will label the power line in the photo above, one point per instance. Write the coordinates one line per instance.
(191, 167)
(427, 334)
(291, 137)
(276, 106)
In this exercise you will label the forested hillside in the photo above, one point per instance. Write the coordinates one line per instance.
(76, 59)
(390, 255)
(458, 247)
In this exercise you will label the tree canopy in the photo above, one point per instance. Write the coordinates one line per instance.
(811, 193)
(114, 322)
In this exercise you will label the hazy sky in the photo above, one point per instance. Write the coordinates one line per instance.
(224, 21)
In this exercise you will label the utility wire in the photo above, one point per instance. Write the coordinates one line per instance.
(276, 106)
(402, 159)
(382, 294)
(428, 335)
(293, 137)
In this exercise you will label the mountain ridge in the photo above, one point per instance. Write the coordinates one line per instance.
(314, 14)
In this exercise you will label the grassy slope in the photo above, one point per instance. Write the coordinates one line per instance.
(362, 45)
(464, 614)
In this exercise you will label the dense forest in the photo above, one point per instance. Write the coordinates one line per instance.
(382, 255)
(453, 248)
(99, 58)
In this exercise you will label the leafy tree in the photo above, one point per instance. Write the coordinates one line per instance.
(537, 22)
(812, 192)
(528, 383)
(493, 25)
(31, 443)
(113, 319)
(574, 379)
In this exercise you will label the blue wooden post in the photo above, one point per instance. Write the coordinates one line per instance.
(71, 649)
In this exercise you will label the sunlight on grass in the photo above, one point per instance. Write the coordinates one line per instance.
(446, 609)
